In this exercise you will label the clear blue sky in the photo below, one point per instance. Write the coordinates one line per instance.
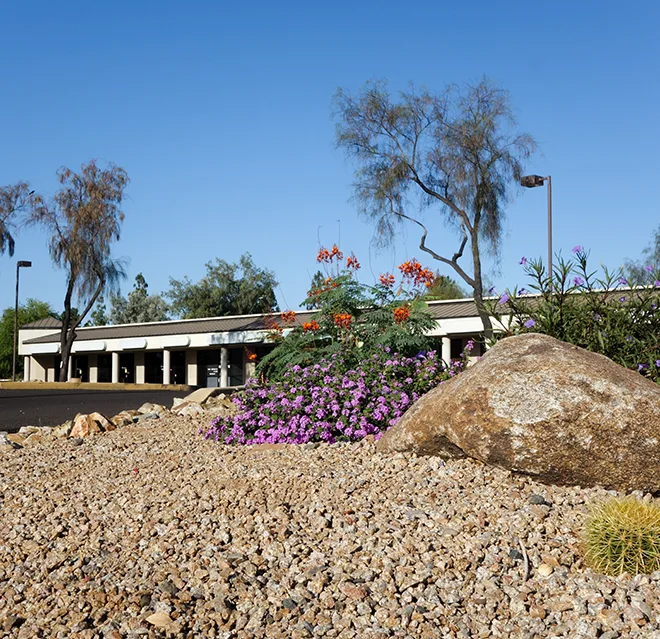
(221, 114)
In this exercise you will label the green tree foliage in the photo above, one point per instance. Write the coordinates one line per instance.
(15, 199)
(444, 288)
(98, 316)
(83, 219)
(609, 314)
(31, 311)
(457, 152)
(227, 289)
(139, 306)
(316, 285)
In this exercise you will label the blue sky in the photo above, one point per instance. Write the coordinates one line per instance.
(221, 114)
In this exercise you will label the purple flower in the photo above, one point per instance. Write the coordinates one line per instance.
(578, 281)
(622, 298)
(649, 268)
(503, 299)
(656, 283)
(529, 323)
(523, 261)
(641, 367)
(657, 363)
(522, 291)
(491, 290)
(577, 249)
(623, 281)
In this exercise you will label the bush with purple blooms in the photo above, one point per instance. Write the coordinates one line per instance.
(615, 314)
(330, 402)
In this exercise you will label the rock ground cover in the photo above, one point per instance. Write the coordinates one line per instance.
(152, 531)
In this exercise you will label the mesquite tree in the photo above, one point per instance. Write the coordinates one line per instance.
(457, 151)
(83, 219)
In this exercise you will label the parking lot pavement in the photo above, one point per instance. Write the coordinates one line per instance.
(53, 407)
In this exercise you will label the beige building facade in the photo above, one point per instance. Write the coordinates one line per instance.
(211, 352)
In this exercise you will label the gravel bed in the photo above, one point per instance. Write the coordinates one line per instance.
(150, 531)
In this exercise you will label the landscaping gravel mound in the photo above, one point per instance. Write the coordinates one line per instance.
(152, 531)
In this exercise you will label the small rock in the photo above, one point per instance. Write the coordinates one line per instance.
(159, 619)
(545, 569)
(538, 500)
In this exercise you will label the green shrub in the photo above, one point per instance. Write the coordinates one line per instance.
(353, 320)
(615, 314)
(623, 535)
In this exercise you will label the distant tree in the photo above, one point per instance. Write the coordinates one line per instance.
(637, 270)
(98, 316)
(15, 199)
(139, 306)
(444, 288)
(457, 151)
(31, 311)
(318, 282)
(83, 219)
(227, 289)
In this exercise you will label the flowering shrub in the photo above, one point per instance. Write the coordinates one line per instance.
(615, 315)
(329, 401)
(354, 319)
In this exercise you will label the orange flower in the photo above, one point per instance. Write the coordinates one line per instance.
(387, 280)
(343, 320)
(351, 262)
(288, 317)
(273, 326)
(310, 326)
(327, 256)
(335, 252)
(401, 314)
(412, 270)
(250, 354)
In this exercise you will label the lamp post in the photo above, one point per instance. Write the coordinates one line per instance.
(13, 368)
(530, 181)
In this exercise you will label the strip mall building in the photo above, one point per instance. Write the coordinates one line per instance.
(215, 351)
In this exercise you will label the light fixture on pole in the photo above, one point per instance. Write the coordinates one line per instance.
(13, 368)
(530, 181)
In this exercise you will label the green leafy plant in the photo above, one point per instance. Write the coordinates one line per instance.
(610, 314)
(623, 535)
(353, 319)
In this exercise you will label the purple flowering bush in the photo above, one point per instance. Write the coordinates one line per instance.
(615, 313)
(330, 402)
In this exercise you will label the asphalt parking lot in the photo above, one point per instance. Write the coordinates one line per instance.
(53, 407)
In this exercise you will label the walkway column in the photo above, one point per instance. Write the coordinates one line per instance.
(26, 368)
(191, 368)
(224, 358)
(70, 369)
(115, 368)
(166, 366)
(446, 349)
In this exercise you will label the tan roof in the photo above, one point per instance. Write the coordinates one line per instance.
(439, 310)
(47, 322)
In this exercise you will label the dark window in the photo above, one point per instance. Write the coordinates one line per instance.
(153, 367)
(127, 368)
(104, 368)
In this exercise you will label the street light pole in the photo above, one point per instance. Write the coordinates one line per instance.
(530, 181)
(13, 368)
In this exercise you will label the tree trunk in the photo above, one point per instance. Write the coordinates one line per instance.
(68, 334)
(478, 291)
(66, 340)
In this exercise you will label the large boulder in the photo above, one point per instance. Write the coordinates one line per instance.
(544, 408)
